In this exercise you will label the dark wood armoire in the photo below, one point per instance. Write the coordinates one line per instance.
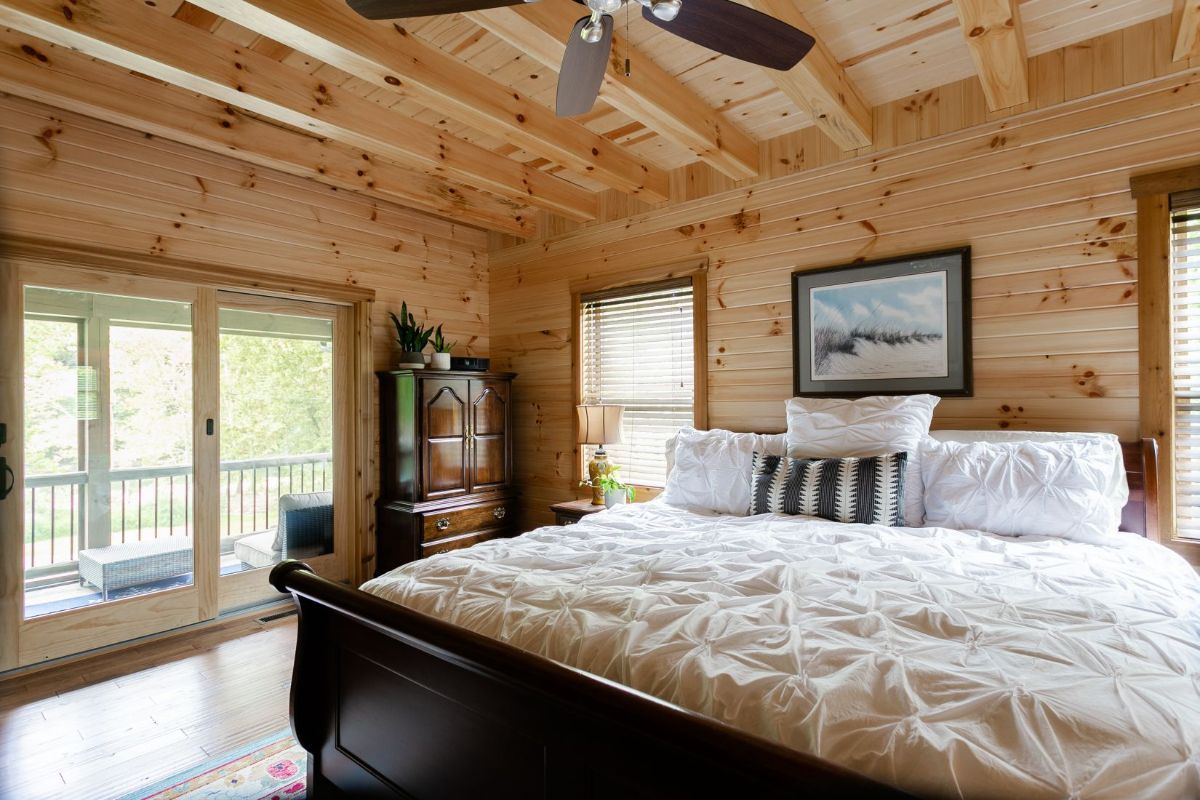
(445, 469)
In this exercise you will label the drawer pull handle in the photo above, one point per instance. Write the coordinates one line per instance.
(442, 523)
(499, 513)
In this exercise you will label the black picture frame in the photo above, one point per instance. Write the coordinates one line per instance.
(833, 344)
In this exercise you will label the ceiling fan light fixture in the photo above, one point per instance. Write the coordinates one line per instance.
(592, 33)
(604, 6)
(666, 10)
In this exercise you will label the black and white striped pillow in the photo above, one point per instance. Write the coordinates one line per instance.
(867, 490)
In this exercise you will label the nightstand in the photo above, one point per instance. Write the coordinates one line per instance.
(571, 512)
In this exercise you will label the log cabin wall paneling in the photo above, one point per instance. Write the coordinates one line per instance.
(1041, 195)
(71, 179)
(74, 179)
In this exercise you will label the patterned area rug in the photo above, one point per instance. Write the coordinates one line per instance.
(270, 769)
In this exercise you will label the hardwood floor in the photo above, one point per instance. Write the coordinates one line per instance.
(108, 725)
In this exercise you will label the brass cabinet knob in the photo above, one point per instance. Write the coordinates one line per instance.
(499, 513)
(442, 524)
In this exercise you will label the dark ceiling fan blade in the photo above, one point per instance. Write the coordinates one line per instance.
(398, 9)
(582, 70)
(739, 31)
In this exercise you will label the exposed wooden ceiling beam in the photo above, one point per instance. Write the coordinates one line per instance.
(997, 44)
(1187, 29)
(65, 79)
(139, 38)
(386, 55)
(651, 95)
(819, 86)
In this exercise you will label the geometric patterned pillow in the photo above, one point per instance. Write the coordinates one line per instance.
(866, 490)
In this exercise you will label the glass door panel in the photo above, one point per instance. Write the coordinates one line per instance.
(108, 448)
(277, 421)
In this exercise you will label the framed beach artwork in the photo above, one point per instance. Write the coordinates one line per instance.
(894, 326)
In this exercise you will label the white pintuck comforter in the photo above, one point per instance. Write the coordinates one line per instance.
(944, 662)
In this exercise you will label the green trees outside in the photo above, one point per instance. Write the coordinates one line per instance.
(276, 397)
(51, 428)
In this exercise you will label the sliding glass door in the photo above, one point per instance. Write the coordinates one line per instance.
(277, 481)
(173, 443)
(108, 448)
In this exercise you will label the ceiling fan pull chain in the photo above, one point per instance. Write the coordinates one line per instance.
(627, 40)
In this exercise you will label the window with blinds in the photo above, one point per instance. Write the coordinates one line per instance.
(636, 350)
(1185, 308)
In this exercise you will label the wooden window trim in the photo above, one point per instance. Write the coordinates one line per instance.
(166, 268)
(697, 271)
(1167, 182)
(1156, 386)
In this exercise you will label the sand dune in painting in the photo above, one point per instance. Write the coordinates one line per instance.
(847, 355)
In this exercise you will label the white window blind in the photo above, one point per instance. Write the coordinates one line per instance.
(636, 351)
(1185, 279)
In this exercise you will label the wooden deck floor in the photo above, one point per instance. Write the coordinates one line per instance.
(105, 726)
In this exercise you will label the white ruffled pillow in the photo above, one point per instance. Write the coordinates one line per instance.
(1117, 487)
(867, 426)
(709, 471)
(1058, 488)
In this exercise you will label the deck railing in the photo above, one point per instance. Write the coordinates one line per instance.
(153, 502)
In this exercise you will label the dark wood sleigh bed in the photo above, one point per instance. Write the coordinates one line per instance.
(392, 703)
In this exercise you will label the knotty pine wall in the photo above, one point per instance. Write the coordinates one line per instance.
(1042, 196)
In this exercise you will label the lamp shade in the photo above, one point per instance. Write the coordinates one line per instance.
(600, 424)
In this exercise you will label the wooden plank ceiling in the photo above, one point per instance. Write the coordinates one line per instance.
(454, 114)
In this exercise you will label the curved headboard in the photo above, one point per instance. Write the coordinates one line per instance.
(1140, 514)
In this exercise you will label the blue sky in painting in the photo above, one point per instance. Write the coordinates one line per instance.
(908, 303)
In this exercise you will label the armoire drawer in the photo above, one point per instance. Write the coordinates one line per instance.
(458, 542)
(455, 522)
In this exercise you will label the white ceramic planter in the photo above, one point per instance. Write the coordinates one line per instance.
(615, 497)
(440, 361)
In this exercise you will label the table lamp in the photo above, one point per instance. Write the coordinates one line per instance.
(599, 425)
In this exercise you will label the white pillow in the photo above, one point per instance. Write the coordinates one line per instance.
(709, 471)
(1117, 488)
(868, 426)
(1057, 488)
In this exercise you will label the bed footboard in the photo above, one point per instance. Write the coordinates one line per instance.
(391, 703)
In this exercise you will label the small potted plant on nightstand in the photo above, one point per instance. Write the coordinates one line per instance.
(441, 350)
(615, 492)
(411, 337)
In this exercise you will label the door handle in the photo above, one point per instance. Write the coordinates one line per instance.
(8, 480)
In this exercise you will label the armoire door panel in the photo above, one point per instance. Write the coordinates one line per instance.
(444, 430)
(489, 408)
(445, 410)
(489, 461)
(446, 473)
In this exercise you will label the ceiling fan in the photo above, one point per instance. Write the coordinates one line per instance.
(725, 26)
